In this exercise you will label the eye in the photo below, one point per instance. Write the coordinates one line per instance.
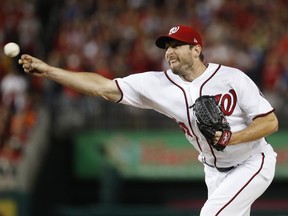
(167, 46)
(174, 44)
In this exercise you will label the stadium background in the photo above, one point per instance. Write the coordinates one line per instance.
(64, 154)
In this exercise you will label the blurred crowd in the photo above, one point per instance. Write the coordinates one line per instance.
(18, 23)
(116, 38)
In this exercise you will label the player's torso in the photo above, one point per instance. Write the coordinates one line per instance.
(168, 94)
(178, 97)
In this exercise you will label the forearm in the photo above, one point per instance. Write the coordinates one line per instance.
(260, 127)
(85, 82)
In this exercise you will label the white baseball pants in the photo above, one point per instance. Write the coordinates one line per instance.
(233, 192)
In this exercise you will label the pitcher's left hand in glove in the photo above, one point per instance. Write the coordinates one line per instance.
(210, 119)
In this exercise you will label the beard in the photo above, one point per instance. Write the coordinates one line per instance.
(176, 71)
(180, 69)
(175, 67)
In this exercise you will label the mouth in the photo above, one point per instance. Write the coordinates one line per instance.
(171, 61)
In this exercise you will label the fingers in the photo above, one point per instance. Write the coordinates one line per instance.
(218, 133)
(25, 58)
(33, 65)
(217, 136)
(27, 63)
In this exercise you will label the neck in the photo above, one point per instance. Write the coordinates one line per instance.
(195, 72)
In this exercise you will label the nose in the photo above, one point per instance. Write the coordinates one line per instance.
(169, 50)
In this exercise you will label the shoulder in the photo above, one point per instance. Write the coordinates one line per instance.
(142, 82)
(148, 76)
(227, 71)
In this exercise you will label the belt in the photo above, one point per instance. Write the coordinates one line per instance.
(220, 169)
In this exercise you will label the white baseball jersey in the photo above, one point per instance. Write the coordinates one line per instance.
(170, 95)
(253, 163)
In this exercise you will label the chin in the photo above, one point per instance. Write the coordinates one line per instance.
(175, 71)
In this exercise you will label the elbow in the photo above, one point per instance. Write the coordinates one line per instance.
(274, 125)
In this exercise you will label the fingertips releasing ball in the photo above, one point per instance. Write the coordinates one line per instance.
(11, 49)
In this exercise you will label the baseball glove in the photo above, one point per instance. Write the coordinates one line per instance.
(210, 118)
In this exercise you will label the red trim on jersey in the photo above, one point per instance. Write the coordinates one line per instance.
(245, 185)
(264, 114)
(187, 107)
(200, 94)
(200, 90)
(120, 91)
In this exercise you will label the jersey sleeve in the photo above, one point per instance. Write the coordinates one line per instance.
(131, 88)
(251, 100)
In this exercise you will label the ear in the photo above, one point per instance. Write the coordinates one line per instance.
(197, 50)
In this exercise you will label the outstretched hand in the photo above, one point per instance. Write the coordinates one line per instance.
(33, 65)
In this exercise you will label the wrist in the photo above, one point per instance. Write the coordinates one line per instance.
(234, 138)
(47, 71)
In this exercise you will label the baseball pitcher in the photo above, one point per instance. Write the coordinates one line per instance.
(219, 108)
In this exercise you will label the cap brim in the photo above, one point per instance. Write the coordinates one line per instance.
(162, 40)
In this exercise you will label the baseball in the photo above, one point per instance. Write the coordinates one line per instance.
(11, 49)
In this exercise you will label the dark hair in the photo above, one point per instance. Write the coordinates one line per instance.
(201, 56)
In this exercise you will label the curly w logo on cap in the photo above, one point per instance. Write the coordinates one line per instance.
(173, 30)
